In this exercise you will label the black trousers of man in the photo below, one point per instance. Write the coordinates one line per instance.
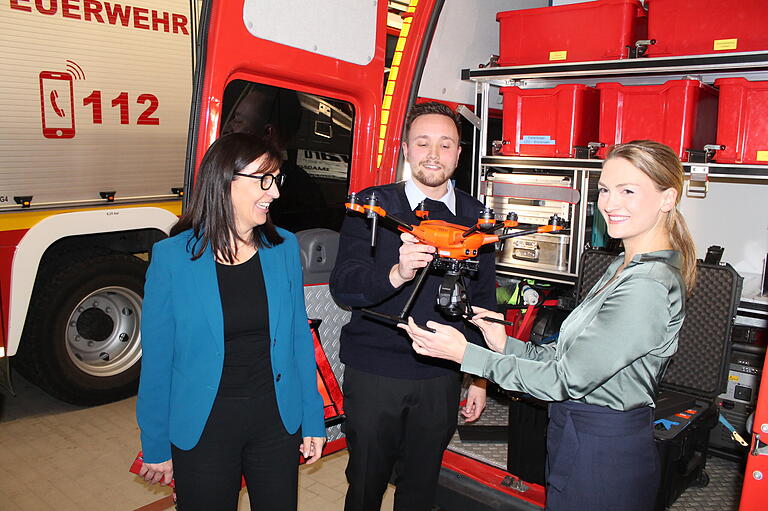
(397, 424)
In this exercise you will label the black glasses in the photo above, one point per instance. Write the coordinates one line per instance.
(266, 179)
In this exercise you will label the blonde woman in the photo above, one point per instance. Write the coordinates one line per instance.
(602, 374)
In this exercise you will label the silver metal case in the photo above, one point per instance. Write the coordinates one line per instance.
(544, 251)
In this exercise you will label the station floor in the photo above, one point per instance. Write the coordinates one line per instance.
(55, 456)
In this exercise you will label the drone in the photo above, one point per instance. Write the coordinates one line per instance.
(456, 247)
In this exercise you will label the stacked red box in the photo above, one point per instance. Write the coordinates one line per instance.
(695, 27)
(549, 122)
(742, 121)
(598, 30)
(679, 113)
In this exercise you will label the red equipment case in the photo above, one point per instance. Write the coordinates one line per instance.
(549, 122)
(742, 121)
(599, 30)
(695, 27)
(679, 113)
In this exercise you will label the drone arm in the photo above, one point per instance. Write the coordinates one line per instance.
(401, 224)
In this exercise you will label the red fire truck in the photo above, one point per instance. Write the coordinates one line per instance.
(339, 89)
(349, 135)
(96, 100)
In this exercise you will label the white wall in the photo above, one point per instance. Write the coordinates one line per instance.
(466, 36)
(733, 215)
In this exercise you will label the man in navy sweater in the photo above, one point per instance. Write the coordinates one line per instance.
(401, 407)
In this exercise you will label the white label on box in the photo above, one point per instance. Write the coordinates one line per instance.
(537, 140)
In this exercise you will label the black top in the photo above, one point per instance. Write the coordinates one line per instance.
(361, 279)
(247, 369)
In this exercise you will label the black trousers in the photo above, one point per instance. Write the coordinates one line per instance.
(600, 459)
(401, 425)
(243, 437)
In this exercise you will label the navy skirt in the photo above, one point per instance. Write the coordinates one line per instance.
(600, 459)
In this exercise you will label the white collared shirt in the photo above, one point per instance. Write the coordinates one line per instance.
(415, 195)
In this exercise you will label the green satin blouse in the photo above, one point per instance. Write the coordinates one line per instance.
(612, 348)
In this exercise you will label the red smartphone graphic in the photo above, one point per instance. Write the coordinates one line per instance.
(57, 104)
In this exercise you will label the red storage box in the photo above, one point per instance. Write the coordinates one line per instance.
(599, 30)
(679, 113)
(549, 122)
(742, 121)
(695, 27)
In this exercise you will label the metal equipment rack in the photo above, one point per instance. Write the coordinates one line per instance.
(639, 71)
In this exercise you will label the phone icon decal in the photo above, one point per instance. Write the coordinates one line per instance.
(57, 104)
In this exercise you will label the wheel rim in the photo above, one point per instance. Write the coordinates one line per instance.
(102, 334)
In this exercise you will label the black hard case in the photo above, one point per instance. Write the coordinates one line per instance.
(696, 374)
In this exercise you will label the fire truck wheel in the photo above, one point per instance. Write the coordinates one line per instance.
(82, 342)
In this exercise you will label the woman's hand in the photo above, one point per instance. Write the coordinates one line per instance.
(311, 448)
(446, 342)
(157, 472)
(494, 333)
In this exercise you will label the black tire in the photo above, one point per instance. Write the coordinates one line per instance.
(86, 352)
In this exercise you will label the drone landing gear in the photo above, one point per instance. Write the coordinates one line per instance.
(452, 297)
(401, 318)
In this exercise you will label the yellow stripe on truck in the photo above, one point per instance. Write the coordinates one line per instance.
(27, 219)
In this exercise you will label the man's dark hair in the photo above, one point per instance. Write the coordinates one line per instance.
(210, 213)
(432, 107)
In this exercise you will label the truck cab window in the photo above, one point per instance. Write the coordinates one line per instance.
(314, 134)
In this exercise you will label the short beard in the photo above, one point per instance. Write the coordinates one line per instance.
(432, 179)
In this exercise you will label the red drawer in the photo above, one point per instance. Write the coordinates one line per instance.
(679, 113)
(695, 27)
(742, 121)
(549, 122)
(599, 30)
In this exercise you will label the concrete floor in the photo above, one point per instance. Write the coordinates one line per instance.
(55, 456)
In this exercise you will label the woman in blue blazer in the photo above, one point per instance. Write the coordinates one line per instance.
(228, 383)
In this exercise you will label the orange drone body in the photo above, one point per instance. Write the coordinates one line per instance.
(451, 240)
(448, 238)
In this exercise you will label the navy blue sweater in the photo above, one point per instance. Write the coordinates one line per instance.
(361, 279)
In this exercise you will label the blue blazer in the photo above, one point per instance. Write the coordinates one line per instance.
(182, 335)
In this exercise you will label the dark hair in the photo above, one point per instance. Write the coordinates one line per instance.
(660, 163)
(209, 212)
(431, 107)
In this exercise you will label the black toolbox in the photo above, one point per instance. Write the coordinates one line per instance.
(696, 375)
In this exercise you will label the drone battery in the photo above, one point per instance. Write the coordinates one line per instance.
(741, 125)
(549, 122)
(679, 113)
(699, 27)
